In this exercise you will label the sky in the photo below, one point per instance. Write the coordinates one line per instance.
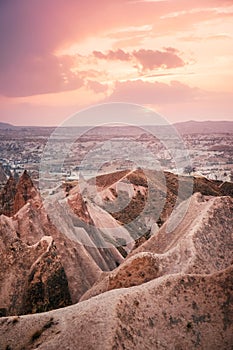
(58, 57)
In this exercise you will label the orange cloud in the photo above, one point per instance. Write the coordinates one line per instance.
(113, 55)
(148, 59)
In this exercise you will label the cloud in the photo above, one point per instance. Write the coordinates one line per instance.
(34, 74)
(176, 101)
(30, 34)
(141, 92)
(96, 86)
(193, 38)
(148, 59)
(32, 31)
(113, 55)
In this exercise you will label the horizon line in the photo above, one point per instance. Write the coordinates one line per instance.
(120, 124)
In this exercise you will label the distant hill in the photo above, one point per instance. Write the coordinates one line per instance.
(205, 127)
(188, 127)
(7, 126)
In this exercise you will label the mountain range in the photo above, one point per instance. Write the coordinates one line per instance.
(187, 127)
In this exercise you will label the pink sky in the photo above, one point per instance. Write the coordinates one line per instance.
(58, 57)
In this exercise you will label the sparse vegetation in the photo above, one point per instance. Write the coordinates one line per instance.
(39, 332)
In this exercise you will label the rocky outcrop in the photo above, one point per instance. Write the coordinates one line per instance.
(32, 223)
(166, 189)
(226, 188)
(96, 224)
(199, 244)
(172, 312)
(25, 190)
(7, 197)
(32, 276)
(82, 265)
(174, 291)
(15, 195)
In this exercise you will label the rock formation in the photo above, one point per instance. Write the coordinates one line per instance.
(180, 311)
(199, 244)
(153, 192)
(25, 190)
(173, 291)
(82, 265)
(15, 194)
(32, 277)
(7, 197)
(32, 223)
